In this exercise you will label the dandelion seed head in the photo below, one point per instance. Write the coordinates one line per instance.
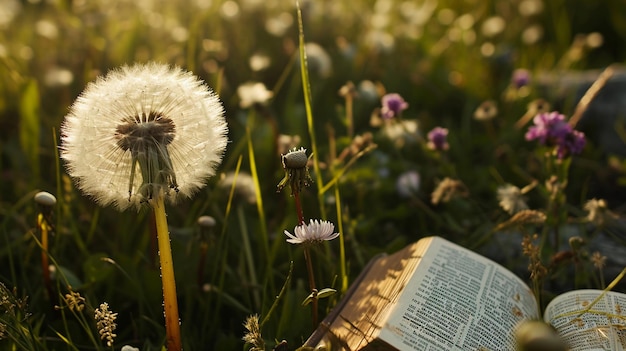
(408, 183)
(140, 130)
(244, 185)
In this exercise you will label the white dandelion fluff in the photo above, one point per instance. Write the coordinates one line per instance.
(140, 130)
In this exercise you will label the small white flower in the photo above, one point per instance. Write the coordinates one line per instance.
(129, 348)
(252, 93)
(315, 231)
(143, 129)
(408, 183)
(511, 199)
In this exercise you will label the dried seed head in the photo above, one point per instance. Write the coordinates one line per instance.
(295, 158)
(105, 322)
(296, 170)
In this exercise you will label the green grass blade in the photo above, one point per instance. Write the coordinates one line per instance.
(306, 87)
(29, 130)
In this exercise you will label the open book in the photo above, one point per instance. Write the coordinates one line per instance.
(436, 295)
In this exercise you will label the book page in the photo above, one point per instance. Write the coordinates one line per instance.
(458, 300)
(599, 327)
(355, 323)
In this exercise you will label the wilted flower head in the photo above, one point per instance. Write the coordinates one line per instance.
(142, 130)
(551, 129)
(438, 139)
(447, 189)
(393, 105)
(486, 111)
(296, 170)
(314, 232)
(598, 212)
(252, 93)
(511, 199)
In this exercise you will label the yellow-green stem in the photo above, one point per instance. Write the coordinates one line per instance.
(44, 227)
(170, 303)
(342, 247)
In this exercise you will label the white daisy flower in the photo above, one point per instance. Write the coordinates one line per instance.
(252, 93)
(143, 129)
(314, 232)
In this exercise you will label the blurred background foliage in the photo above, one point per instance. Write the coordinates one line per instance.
(444, 57)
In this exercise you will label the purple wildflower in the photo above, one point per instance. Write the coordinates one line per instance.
(393, 105)
(572, 144)
(520, 78)
(551, 129)
(437, 139)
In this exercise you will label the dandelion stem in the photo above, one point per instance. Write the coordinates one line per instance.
(170, 303)
(296, 197)
(309, 266)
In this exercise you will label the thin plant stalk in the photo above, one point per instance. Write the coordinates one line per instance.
(248, 254)
(44, 229)
(309, 267)
(306, 87)
(308, 259)
(342, 248)
(170, 304)
(259, 203)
